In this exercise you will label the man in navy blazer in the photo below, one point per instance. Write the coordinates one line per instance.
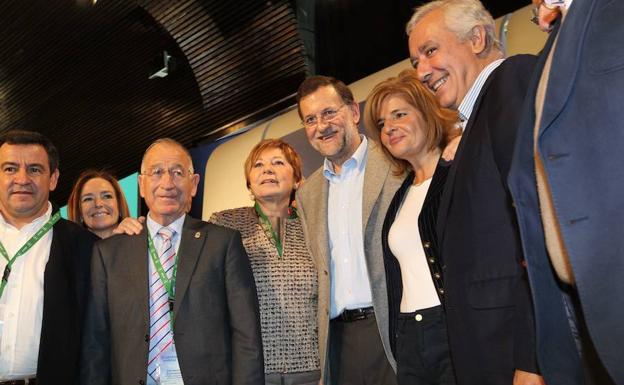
(567, 180)
(487, 300)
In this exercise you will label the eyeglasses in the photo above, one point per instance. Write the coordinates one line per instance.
(176, 173)
(325, 116)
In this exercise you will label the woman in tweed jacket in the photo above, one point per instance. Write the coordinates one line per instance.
(283, 269)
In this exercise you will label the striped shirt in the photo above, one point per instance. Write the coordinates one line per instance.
(467, 104)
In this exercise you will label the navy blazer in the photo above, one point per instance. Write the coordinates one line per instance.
(487, 299)
(580, 139)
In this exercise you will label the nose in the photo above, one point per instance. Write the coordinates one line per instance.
(21, 176)
(423, 70)
(97, 202)
(166, 181)
(388, 128)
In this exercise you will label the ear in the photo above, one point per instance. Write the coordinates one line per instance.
(478, 39)
(355, 111)
(141, 187)
(195, 183)
(54, 179)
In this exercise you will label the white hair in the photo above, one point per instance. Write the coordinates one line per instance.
(460, 17)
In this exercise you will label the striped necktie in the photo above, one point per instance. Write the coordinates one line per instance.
(161, 335)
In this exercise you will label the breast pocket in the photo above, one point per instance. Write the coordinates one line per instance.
(497, 292)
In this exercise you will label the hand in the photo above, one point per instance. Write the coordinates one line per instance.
(544, 15)
(449, 151)
(130, 226)
(526, 378)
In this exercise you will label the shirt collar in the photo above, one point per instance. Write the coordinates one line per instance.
(37, 221)
(154, 226)
(357, 160)
(467, 104)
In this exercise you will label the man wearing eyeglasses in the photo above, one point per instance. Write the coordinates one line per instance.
(177, 303)
(342, 206)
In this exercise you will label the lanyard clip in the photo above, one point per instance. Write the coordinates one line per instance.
(7, 272)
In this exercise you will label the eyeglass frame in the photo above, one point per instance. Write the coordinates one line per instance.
(323, 116)
(169, 171)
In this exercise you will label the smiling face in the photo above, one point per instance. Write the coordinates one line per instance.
(446, 65)
(167, 196)
(25, 182)
(338, 138)
(99, 208)
(271, 178)
(402, 129)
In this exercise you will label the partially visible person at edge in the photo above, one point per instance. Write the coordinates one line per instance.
(490, 319)
(567, 181)
(283, 269)
(45, 260)
(342, 207)
(97, 203)
(408, 122)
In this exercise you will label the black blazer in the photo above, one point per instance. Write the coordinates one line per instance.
(216, 316)
(426, 228)
(65, 287)
(487, 300)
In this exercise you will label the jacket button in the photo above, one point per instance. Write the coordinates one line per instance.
(431, 260)
(441, 291)
(437, 275)
(426, 244)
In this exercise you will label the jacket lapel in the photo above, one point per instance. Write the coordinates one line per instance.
(374, 178)
(138, 272)
(566, 61)
(191, 244)
(316, 219)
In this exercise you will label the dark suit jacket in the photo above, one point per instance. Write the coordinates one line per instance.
(65, 287)
(580, 139)
(488, 305)
(216, 318)
(427, 230)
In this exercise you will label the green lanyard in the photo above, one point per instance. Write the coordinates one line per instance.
(169, 284)
(24, 249)
(265, 223)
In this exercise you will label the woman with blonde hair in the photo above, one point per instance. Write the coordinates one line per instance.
(413, 130)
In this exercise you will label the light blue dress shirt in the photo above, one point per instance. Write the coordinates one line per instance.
(467, 104)
(350, 286)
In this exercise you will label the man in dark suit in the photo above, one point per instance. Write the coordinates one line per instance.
(177, 303)
(487, 300)
(43, 291)
(567, 181)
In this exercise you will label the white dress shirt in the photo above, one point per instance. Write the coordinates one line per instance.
(21, 305)
(350, 286)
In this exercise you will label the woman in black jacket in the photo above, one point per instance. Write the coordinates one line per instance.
(405, 117)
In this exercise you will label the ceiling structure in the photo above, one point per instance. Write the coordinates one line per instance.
(78, 70)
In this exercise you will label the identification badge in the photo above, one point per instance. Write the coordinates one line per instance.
(170, 373)
(554, 3)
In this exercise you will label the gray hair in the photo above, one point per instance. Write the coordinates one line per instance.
(171, 142)
(460, 16)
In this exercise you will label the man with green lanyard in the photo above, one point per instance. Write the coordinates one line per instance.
(175, 304)
(45, 265)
